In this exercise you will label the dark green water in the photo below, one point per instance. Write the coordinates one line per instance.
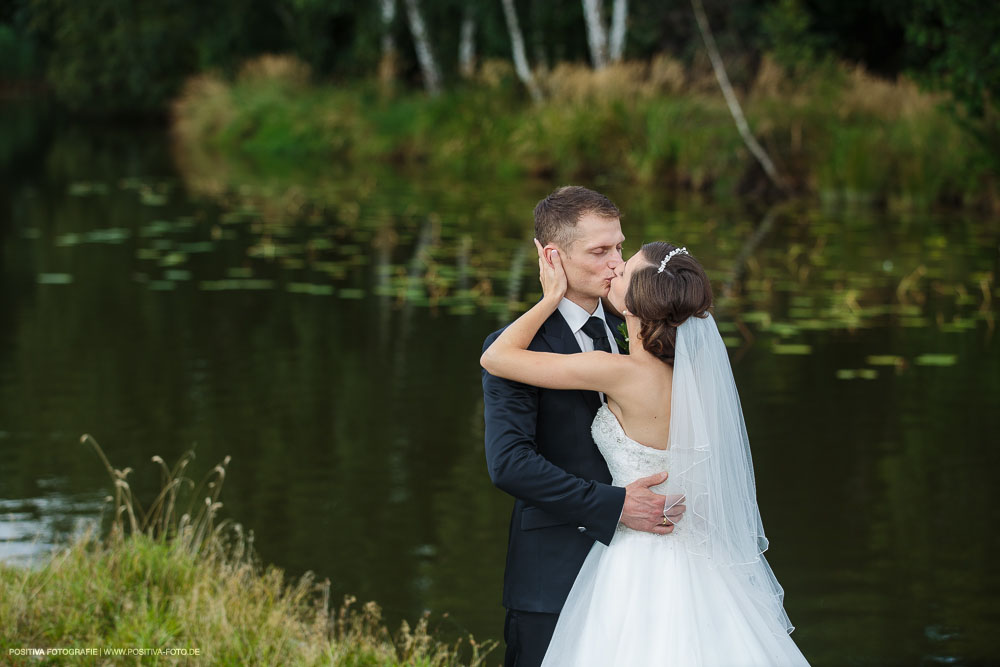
(322, 327)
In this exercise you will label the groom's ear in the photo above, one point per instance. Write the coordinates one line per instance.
(547, 251)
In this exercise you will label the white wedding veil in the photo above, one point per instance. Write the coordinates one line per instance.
(710, 463)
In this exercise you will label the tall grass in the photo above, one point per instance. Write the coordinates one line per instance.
(836, 131)
(173, 576)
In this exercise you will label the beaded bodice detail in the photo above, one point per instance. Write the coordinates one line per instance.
(627, 459)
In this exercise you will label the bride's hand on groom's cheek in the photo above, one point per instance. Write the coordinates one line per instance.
(551, 273)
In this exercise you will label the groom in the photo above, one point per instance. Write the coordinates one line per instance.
(538, 443)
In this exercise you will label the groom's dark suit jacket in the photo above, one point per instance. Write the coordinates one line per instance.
(539, 449)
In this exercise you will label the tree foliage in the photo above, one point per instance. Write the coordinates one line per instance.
(110, 56)
(958, 41)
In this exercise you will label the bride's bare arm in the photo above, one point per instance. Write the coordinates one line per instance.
(508, 356)
(597, 371)
(517, 336)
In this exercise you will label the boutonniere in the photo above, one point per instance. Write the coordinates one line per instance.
(622, 338)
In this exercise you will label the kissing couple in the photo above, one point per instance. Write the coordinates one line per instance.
(635, 537)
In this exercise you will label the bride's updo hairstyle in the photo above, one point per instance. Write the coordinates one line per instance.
(663, 300)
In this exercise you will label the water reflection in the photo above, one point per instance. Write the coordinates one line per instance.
(333, 355)
(31, 527)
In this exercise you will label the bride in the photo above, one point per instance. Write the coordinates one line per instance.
(703, 595)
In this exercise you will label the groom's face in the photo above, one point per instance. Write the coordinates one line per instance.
(592, 258)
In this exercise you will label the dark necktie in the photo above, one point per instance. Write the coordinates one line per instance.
(595, 329)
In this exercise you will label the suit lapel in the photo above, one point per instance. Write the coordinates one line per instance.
(560, 338)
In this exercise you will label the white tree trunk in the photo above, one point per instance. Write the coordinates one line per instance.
(387, 64)
(388, 16)
(734, 105)
(467, 45)
(618, 16)
(517, 46)
(596, 35)
(432, 75)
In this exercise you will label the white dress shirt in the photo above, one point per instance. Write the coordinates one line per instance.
(576, 317)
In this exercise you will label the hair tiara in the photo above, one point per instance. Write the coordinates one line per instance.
(675, 251)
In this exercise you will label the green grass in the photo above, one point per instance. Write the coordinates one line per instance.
(835, 132)
(172, 577)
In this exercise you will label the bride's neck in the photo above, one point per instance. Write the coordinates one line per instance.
(635, 347)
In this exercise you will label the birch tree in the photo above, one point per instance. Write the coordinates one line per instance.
(425, 56)
(734, 104)
(597, 39)
(617, 43)
(387, 66)
(517, 46)
(467, 44)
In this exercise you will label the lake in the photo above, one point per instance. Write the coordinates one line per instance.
(322, 325)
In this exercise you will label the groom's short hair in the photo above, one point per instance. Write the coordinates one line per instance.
(556, 215)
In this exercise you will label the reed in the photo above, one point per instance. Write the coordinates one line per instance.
(173, 576)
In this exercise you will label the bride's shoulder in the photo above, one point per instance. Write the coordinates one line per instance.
(647, 377)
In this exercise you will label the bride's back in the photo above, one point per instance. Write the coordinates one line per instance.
(642, 407)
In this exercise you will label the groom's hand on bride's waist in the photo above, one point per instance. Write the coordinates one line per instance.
(651, 512)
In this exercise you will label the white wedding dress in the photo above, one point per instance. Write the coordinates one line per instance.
(694, 597)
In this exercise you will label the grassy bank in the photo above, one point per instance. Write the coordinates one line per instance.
(173, 578)
(836, 132)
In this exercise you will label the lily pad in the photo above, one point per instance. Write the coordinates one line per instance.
(196, 246)
(760, 316)
(799, 312)
(111, 235)
(173, 259)
(235, 284)
(150, 198)
(884, 360)
(83, 188)
(958, 325)
(310, 288)
(857, 374)
(155, 228)
(54, 279)
(784, 328)
(70, 239)
(936, 360)
(792, 348)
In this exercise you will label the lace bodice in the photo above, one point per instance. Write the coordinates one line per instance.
(627, 459)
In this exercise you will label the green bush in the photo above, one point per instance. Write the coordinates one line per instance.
(833, 130)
